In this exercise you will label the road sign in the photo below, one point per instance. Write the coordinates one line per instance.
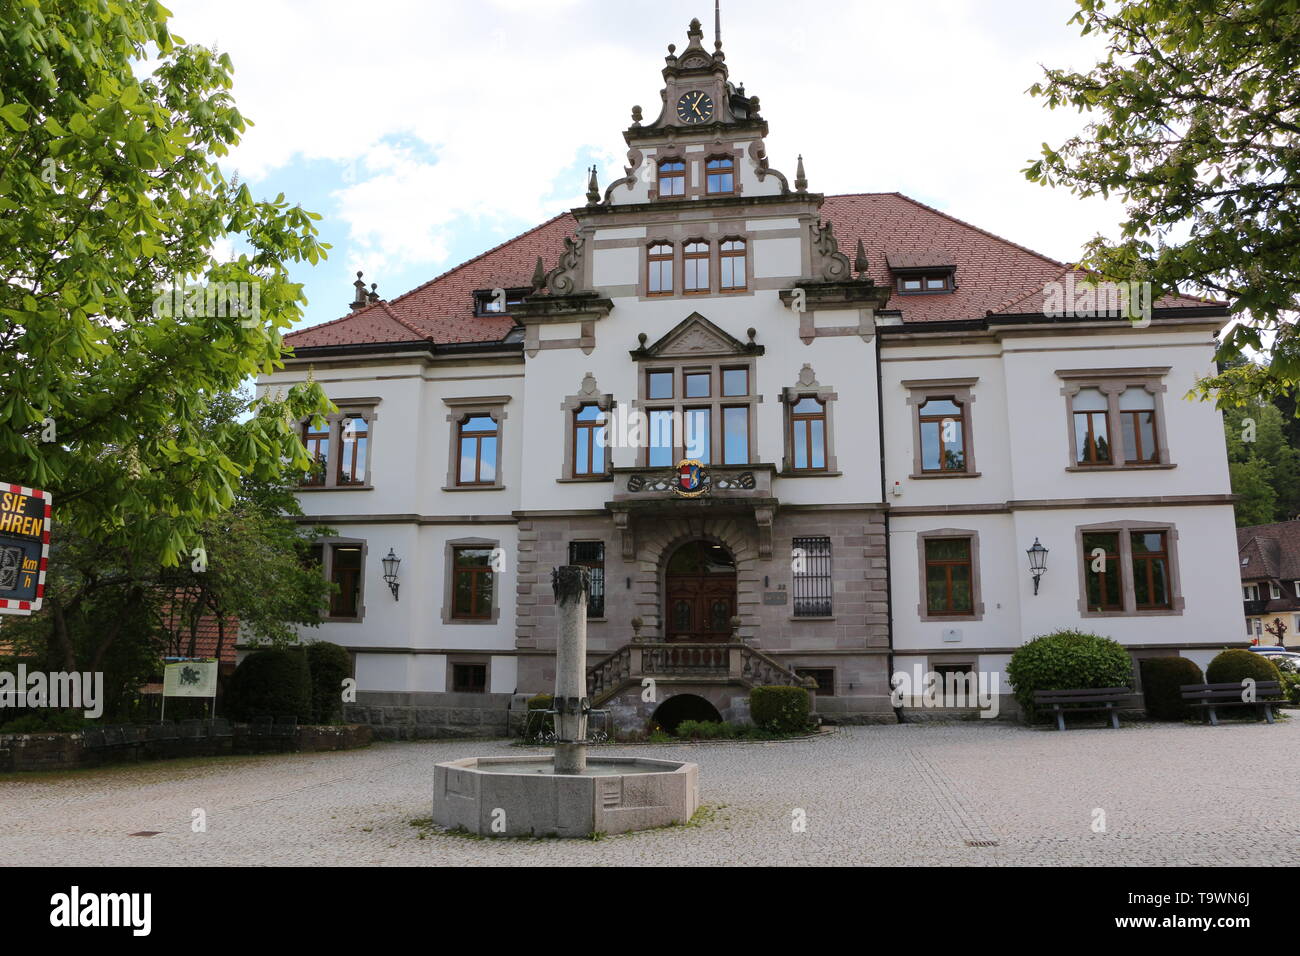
(25, 516)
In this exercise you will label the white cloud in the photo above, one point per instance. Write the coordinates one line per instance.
(444, 111)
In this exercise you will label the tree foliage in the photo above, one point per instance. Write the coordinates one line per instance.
(1264, 464)
(110, 193)
(1195, 119)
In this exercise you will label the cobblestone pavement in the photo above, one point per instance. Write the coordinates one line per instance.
(1171, 794)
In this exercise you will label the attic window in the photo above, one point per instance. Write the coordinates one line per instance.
(914, 283)
(497, 301)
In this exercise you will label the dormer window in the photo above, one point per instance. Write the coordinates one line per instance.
(672, 178)
(720, 178)
(913, 283)
(497, 301)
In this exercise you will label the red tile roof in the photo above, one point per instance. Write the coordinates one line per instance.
(993, 275)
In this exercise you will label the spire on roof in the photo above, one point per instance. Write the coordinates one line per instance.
(800, 180)
(374, 293)
(717, 24)
(359, 297)
(860, 260)
(593, 189)
(539, 275)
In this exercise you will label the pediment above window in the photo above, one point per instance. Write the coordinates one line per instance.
(696, 337)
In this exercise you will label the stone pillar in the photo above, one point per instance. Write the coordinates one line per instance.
(571, 585)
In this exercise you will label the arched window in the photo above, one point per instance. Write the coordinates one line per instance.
(317, 442)
(588, 441)
(659, 269)
(672, 178)
(720, 177)
(731, 265)
(1091, 429)
(477, 446)
(695, 267)
(1137, 416)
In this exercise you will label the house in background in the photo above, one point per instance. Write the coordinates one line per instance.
(855, 415)
(1269, 555)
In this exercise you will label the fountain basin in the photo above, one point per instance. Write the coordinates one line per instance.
(522, 796)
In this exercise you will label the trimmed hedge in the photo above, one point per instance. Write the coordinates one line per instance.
(1162, 680)
(328, 665)
(1236, 665)
(1065, 660)
(783, 710)
(272, 682)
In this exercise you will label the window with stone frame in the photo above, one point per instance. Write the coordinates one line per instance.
(732, 269)
(316, 439)
(468, 678)
(588, 441)
(672, 179)
(342, 563)
(340, 446)
(591, 555)
(695, 268)
(354, 443)
(824, 677)
(1116, 418)
(809, 427)
(476, 462)
(659, 269)
(473, 583)
(699, 410)
(949, 577)
(720, 176)
(1129, 568)
(942, 439)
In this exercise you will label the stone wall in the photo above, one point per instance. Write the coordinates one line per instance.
(420, 715)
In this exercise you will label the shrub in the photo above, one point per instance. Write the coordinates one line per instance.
(1162, 680)
(271, 682)
(327, 667)
(45, 722)
(534, 725)
(709, 730)
(1236, 665)
(1064, 660)
(782, 710)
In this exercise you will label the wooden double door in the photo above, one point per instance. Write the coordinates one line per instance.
(700, 594)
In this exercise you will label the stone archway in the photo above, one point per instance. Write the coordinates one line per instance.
(679, 707)
(657, 540)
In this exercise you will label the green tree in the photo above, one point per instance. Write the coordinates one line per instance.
(1195, 118)
(110, 194)
(1264, 466)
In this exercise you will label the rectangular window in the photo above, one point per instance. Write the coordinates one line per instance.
(697, 384)
(824, 676)
(697, 440)
(735, 435)
(659, 269)
(810, 563)
(948, 576)
(469, 678)
(731, 264)
(672, 178)
(477, 464)
(1151, 586)
(808, 435)
(735, 382)
(943, 435)
(695, 268)
(1101, 560)
(591, 555)
(659, 385)
(720, 175)
(1250, 592)
(345, 572)
(588, 441)
(955, 684)
(1274, 591)
(472, 583)
(317, 442)
(662, 440)
(354, 442)
(1091, 428)
(1137, 416)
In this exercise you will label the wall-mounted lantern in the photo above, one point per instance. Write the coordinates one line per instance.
(1037, 562)
(391, 563)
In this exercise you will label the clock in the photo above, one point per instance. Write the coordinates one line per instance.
(695, 107)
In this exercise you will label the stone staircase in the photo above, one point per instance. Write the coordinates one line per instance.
(709, 663)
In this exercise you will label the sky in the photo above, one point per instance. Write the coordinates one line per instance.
(427, 132)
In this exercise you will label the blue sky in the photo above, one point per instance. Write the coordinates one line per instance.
(427, 132)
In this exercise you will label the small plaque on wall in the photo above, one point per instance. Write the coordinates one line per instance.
(952, 635)
(774, 597)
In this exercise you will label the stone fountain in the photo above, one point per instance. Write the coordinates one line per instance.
(569, 794)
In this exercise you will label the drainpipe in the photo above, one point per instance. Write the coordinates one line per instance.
(884, 492)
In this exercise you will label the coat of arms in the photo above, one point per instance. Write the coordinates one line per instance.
(691, 478)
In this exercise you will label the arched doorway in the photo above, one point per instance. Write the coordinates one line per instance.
(679, 707)
(699, 593)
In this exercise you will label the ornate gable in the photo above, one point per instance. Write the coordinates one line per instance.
(696, 337)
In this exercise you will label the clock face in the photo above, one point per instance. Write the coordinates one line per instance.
(695, 107)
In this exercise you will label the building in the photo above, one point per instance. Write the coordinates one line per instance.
(796, 437)
(1270, 580)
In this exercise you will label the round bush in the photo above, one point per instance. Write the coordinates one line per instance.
(782, 710)
(1065, 660)
(272, 682)
(1162, 681)
(1236, 665)
(540, 725)
(328, 665)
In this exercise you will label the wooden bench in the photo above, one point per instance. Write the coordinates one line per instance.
(1231, 694)
(1082, 700)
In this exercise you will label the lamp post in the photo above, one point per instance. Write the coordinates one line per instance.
(391, 563)
(1037, 562)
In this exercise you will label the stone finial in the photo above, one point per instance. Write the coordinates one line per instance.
(373, 297)
(637, 624)
(636, 116)
(539, 276)
(807, 377)
(694, 30)
(753, 106)
(641, 338)
(752, 333)
(860, 260)
(800, 179)
(359, 297)
(570, 583)
(593, 189)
